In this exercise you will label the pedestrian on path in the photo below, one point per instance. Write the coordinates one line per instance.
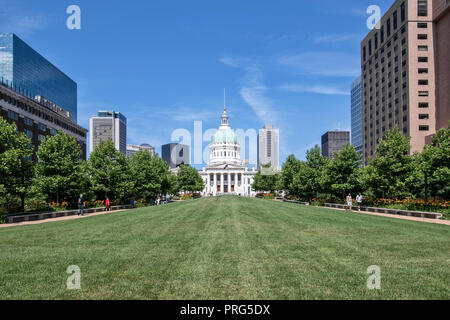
(81, 204)
(359, 199)
(349, 202)
(107, 204)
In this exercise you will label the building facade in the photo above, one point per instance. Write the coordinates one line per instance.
(356, 115)
(268, 147)
(334, 141)
(175, 154)
(132, 149)
(108, 125)
(404, 80)
(226, 173)
(38, 120)
(22, 68)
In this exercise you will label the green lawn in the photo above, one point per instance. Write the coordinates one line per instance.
(226, 248)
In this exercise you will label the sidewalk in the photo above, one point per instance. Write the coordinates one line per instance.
(58, 219)
(435, 221)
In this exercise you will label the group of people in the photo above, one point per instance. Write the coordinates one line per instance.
(82, 204)
(161, 200)
(349, 200)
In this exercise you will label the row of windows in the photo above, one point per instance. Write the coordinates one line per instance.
(40, 114)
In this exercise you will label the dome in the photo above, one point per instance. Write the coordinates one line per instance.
(224, 135)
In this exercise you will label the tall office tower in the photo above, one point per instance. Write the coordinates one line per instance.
(25, 70)
(405, 73)
(132, 149)
(108, 125)
(334, 141)
(175, 154)
(356, 115)
(268, 146)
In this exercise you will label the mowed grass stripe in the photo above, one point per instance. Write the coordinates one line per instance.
(226, 248)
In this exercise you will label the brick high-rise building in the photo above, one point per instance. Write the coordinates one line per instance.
(405, 73)
(333, 142)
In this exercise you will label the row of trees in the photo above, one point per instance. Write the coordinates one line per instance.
(60, 174)
(393, 173)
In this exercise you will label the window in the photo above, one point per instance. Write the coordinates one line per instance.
(41, 138)
(423, 82)
(422, 25)
(423, 48)
(422, 36)
(424, 116)
(403, 11)
(13, 116)
(423, 59)
(394, 18)
(28, 122)
(364, 53)
(376, 41)
(28, 133)
(424, 128)
(423, 93)
(388, 27)
(53, 131)
(42, 127)
(423, 70)
(423, 105)
(382, 34)
(422, 8)
(370, 47)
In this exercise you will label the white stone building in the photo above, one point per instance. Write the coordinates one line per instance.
(226, 172)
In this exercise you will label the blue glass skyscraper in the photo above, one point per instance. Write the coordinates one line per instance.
(356, 113)
(27, 71)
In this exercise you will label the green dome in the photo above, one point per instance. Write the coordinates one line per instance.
(224, 136)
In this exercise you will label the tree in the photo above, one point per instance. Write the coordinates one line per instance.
(290, 168)
(393, 166)
(16, 171)
(110, 174)
(60, 172)
(341, 174)
(189, 179)
(266, 179)
(151, 175)
(434, 163)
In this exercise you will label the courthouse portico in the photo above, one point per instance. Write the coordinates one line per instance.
(226, 172)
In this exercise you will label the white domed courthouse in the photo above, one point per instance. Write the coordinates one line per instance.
(226, 172)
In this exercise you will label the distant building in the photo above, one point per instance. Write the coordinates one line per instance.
(334, 141)
(175, 154)
(108, 125)
(356, 115)
(38, 120)
(405, 74)
(132, 149)
(29, 73)
(268, 146)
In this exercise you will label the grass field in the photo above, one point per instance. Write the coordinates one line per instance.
(226, 248)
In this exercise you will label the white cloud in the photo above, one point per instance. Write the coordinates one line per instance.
(332, 64)
(314, 89)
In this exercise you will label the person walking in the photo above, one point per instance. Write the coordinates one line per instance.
(359, 199)
(349, 202)
(107, 204)
(81, 204)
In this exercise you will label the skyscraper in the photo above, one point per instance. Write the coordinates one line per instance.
(405, 73)
(268, 146)
(29, 73)
(132, 149)
(334, 141)
(108, 125)
(175, 154)
(356, 115)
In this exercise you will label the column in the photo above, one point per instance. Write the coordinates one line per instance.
(208, 184)
(229, 182)
(215, 183)
(221, 182)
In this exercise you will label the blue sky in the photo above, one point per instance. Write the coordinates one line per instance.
(165, 63)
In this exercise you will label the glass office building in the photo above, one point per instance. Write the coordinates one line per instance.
(356, 113)
(25, 70)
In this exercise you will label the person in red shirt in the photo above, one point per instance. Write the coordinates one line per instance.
(108, 204)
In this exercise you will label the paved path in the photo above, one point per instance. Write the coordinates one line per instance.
(435, 221)
(58, 219)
